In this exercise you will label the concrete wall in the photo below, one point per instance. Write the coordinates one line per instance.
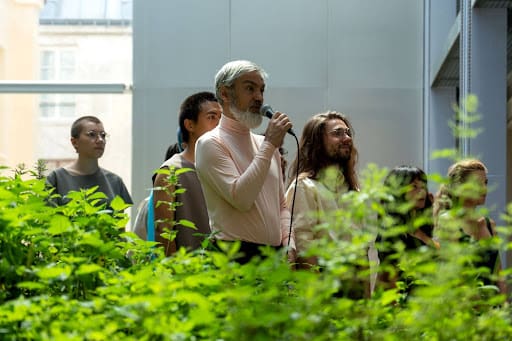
(360, 57)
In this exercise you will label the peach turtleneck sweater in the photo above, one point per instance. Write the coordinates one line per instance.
(242, 182)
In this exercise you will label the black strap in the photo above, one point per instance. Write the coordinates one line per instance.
(489, 227)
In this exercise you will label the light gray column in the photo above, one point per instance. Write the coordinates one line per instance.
(488, 82)
(440, 16)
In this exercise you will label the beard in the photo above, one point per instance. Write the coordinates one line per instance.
(249, 119)
(339, 155)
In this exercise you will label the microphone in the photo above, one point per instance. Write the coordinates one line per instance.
(266, 110)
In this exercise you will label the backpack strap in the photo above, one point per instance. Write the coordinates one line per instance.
(489, 227)
(150, 224)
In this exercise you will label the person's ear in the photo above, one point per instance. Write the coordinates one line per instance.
(189, 125)
(224, 93)
(74, 143)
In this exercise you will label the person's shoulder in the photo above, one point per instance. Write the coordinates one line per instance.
(52, 173)
(110, 174)
(304, 182)
(210, 141)
(57, 172)
(51, 178)
(209, 135)
(483, 221)
(176, 160)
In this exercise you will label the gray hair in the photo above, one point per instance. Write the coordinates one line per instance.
(230, 72)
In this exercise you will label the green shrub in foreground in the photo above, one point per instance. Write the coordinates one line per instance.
(72, 273)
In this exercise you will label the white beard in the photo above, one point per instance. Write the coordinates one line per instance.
(247, 118)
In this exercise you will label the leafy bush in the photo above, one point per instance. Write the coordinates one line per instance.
(72, 273)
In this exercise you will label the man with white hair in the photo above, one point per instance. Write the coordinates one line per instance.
(240, 171)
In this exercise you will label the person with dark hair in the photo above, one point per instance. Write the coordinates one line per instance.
(457, 201)
(408, 203)
(89, 139)
(173, 149)
(326, 159)
(198, 114)
(240, 171)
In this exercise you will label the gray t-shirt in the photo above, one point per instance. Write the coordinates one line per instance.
(107, 182)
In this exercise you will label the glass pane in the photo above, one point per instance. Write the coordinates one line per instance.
(48, 59)
(47, 65)
(93, 9)
(67, 110)
(67, 106)
(83, 40)
(47, 74)
(47, 110)
(67, 59)
(69, 9)
(50, 9)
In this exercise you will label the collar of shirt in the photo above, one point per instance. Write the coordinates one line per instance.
(333, 179)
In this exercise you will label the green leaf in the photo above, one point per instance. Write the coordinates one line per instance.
(59, 224)
(118, 204)
(31, 285)
(445, 154)
(91, 190)
(389, 297)
(183, 170)
(88, 268)
(97, 195)
(187, 223)
(471, 103)
(55, 272)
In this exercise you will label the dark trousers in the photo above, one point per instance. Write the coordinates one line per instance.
(247, 250)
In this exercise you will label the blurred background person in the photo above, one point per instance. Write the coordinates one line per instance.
(457, 202)
(406, 226)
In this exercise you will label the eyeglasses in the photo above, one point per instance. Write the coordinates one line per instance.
(340, 132)
(95, 135)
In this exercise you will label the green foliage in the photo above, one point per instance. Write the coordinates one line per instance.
(72, 273)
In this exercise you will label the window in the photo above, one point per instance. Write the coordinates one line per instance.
(57, 65)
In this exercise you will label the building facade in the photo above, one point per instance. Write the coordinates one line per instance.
(19, 61)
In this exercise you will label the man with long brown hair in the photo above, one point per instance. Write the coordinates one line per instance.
(326, 169)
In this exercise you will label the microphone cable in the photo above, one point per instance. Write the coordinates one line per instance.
(294, 194)
(267, 111)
